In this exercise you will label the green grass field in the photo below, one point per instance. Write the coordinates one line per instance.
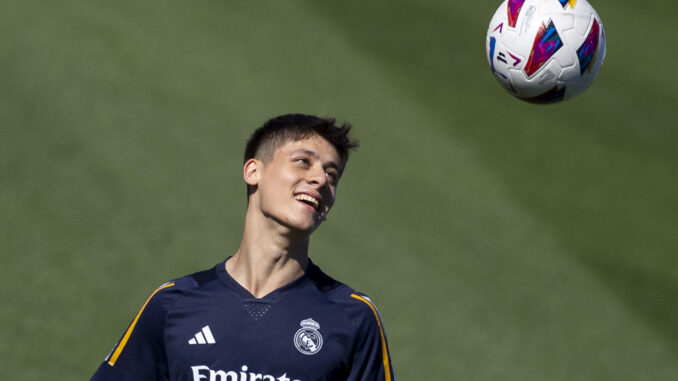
(501, 240)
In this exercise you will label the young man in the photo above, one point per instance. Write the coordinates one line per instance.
(267, 312)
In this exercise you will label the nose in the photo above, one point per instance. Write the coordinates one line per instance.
(318, 176)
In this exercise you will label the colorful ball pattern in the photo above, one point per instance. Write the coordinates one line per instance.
(545, 51)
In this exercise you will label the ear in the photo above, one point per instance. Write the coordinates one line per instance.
(251, 171)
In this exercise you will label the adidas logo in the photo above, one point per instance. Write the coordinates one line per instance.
(203, 337)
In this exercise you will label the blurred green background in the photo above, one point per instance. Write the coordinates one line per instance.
(501, 240)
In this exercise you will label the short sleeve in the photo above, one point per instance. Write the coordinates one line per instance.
(371, 359)
(140, 353)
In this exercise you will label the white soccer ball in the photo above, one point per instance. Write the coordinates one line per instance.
(545, 51)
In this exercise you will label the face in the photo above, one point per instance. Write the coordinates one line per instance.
(296, 188)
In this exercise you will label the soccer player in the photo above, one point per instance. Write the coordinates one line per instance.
(267, 312)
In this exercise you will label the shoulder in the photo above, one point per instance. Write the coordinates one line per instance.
(371, 358)
(358, 307)
(141, 344)
(168, 292)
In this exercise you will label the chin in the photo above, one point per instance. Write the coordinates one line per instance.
(303, 228)
(308, 229)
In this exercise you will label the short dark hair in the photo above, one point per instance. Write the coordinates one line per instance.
(279, 130)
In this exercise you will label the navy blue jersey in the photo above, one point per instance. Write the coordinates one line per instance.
(206, 327)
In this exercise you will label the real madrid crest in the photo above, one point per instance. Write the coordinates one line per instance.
(307, 339)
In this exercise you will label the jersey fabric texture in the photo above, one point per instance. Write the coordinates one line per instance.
(206, 327)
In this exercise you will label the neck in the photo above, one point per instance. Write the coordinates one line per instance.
(268, 258)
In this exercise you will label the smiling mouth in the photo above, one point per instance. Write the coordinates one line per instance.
(306, 199)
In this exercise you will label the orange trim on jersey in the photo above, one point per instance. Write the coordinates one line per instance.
(128, 333)
(387, 368)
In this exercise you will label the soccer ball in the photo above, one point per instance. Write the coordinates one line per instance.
(545, 51)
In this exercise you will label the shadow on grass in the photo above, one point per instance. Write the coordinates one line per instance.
(653, 296)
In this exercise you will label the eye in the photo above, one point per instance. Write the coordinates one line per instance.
(302, 161)
(332, 176)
